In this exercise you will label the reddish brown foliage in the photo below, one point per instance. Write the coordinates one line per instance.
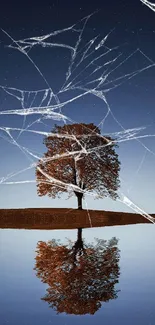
(78, 285)
(78, 155)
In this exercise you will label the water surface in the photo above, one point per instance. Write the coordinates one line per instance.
(21, 289)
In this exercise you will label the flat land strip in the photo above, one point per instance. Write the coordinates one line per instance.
(53, 218)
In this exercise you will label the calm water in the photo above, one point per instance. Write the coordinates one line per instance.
(130, 299)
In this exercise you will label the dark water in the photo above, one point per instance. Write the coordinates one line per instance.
(128, 279)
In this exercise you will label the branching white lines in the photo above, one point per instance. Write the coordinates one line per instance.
(149, 4)
(90, 72)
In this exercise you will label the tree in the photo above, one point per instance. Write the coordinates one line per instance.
(78, 160)
(79, 277)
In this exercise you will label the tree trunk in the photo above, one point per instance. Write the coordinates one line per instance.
(79, 198)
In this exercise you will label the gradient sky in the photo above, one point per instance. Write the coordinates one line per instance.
(131, 25)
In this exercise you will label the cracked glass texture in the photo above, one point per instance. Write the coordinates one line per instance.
(93, 68)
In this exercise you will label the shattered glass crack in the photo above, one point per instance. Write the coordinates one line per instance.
(86, 75)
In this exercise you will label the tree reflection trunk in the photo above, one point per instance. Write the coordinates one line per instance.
(79, 236)
(78, 248)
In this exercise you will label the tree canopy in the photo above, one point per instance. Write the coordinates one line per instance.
(78, 160)
(79, 278)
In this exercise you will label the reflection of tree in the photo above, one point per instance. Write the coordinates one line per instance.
(79, 277)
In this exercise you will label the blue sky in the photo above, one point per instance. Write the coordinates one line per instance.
(131, 104)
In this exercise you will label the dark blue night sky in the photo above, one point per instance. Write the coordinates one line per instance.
(129, 54)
